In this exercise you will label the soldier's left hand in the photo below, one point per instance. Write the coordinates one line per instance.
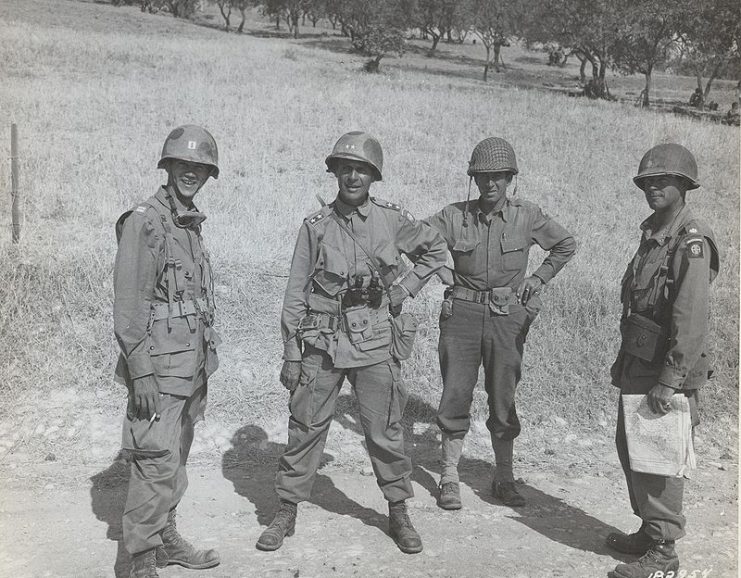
(660, 398)
(529, 287)
(397, 294)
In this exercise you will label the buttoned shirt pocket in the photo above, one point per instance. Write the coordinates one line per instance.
(330, 272)
(172, 348)
(464, 255)
(514, 252)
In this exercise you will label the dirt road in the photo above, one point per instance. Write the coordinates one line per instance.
(63, 520)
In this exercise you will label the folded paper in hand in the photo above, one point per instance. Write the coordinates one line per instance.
(659, 444)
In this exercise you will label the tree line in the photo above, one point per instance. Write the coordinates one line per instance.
(701, 37)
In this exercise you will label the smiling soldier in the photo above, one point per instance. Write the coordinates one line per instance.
(488, 309)
(163, 313)
(665, 295)
(337, 323)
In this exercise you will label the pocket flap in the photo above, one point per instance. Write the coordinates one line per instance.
(513, 243)
(178, 338)
(465, 245)
(332, 260)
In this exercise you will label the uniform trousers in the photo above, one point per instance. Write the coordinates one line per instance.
(381, 398)
(159, 451)
(657, 500)
(471, 336)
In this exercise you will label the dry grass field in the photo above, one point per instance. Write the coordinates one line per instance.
(94, 91)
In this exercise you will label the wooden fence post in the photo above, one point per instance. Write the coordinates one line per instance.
(16, 210)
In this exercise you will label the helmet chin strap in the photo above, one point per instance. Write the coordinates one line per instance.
(468, 198)
(187, 219)
(514, 191)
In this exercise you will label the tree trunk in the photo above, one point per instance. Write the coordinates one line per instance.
(240, 28)
(277, 21)
(295, 24)
(226, 14)
(713, 75)
(486, 66)
(647, 90)
(497, 48)
(435, 40)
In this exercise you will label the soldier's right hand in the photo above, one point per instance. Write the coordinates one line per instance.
(290, 374)
(145, 398)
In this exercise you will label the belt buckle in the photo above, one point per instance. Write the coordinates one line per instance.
(483, 297)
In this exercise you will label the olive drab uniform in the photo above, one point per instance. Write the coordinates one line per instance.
(488, 324)
(334, 338)
(666, 282)
(163, 312)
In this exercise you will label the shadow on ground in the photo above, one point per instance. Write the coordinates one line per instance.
(251, 465)
(108, 499)
(545, 514)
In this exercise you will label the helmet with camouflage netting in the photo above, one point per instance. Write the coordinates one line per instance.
(357, 146)
(192, 144)
(492, 155)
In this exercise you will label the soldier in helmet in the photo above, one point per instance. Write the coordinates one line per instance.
(163, 314)
(489, 306)
(336, 323)
(664, 291)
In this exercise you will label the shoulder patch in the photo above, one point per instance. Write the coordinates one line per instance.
(141, 208)
(695, 248)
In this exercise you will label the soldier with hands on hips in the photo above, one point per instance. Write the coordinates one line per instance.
(489, 306)
(664, 292)
(163, 315)
(336, 323)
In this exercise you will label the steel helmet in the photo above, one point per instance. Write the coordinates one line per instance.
(668, 159)
(492, 155)
(357, 146)
(193, 144)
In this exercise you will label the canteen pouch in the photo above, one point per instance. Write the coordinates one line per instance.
(358, 323)
(499, 300)
(403, 332)
(643, 338)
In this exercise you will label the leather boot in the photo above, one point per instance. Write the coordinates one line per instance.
(284, 524)
(660, 558)
(143, 565)
(401, 529)
(636, 543)
(180, 551)
(508, 494)
(449, 497)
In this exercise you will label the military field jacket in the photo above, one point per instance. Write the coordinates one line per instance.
(668, 282)
(325, 263)
(163, 304)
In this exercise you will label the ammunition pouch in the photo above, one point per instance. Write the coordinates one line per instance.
(644, 338)
(357, 321)
(498, 298)
(179, 309)
(317, 321)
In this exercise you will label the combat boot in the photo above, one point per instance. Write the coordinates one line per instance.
(180, 551)
(508, 494)
(401, 529)
(144, 565)
(449, 497)
(284, 524)
(657, 561)
(636, 543)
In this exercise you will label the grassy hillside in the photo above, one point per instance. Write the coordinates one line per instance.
(95, 90)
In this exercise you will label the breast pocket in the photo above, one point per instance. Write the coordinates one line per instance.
(514, 252)
(464, 255)
(331, 270)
